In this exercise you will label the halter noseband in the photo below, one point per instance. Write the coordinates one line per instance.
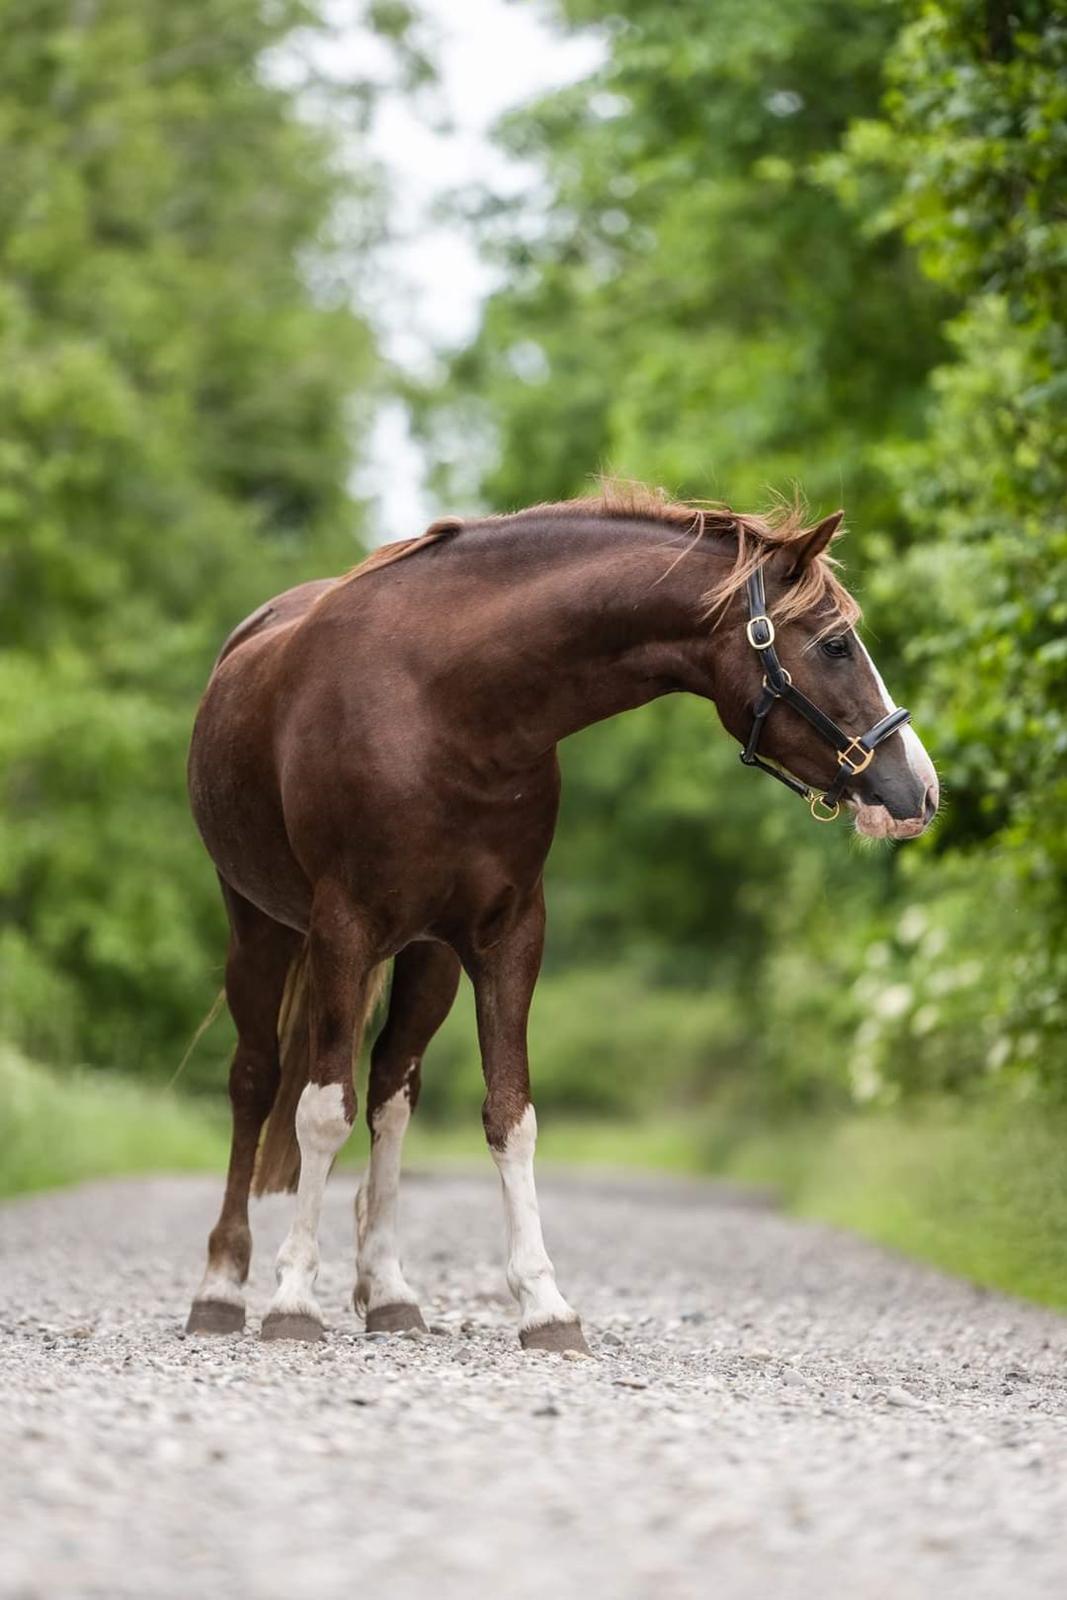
(853, 755)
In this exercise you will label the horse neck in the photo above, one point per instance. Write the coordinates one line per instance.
(603, 619)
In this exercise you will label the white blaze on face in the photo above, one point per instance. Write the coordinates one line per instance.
(380, 1281)
(321, 1129)
(875, 821)
(531, 1275)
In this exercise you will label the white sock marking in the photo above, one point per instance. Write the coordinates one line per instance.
(321, 1130)
(221, 1283)
(531, 1275)
(380, 1280)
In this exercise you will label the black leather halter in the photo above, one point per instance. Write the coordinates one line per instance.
(853, 755)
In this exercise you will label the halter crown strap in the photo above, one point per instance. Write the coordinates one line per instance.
(854, 753)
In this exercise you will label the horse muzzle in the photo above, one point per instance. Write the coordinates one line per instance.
(897, 802)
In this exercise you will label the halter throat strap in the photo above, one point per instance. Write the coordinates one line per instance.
(854, 754)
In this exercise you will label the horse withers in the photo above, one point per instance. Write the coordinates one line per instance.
(374, 773)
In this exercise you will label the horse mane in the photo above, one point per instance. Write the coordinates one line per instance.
(758, 538)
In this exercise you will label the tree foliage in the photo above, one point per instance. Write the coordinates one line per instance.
(175, 438)
(970, 161)
(825, 242)
(771, 240)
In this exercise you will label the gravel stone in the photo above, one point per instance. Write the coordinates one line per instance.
(834, 1419)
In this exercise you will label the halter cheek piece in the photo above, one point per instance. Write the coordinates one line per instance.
(853, 755)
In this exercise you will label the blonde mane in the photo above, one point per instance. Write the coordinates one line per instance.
(757, 537)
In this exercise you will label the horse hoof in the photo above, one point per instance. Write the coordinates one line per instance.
(395, 1318)
(215, 1316)
(292, 1325)
(557, 1336)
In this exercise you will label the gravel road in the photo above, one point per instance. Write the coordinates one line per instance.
(775, 1410)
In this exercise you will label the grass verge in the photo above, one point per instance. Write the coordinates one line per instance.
(60, 1128)
(977, 1189)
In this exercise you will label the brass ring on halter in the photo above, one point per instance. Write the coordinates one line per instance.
(832, 813)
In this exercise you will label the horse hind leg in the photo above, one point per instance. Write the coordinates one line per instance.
(260, 955)
(425, 979)
(341, 971)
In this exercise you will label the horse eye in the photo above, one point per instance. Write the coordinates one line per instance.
(836, 645)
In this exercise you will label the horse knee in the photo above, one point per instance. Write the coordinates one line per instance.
(390, 1076)
(323, 1119)
(503, 1110)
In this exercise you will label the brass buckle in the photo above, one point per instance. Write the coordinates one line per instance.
(847, 759)
(751, 623)
(831, 815)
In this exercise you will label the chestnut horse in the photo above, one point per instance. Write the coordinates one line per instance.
(374, 773)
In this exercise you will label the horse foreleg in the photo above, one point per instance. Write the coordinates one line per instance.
(504, 977)
(425, 977)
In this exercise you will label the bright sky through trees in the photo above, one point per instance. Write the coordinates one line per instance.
(490, 56)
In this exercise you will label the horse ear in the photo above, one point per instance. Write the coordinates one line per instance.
(815, 540)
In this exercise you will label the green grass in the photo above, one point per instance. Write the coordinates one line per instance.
(979, 1189)
(660, 1146)
(60, 1128)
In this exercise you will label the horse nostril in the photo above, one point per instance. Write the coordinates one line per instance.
(876, 799)
(929, 806)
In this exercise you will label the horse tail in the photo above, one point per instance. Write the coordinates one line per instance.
(216, 1007)
(278, 1160)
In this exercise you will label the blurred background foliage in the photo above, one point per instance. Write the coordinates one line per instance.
(176, 418)
(770, 241)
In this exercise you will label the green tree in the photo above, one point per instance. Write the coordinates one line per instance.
(178, 357)
(970, 163)
(818, 241)
(696, 305)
